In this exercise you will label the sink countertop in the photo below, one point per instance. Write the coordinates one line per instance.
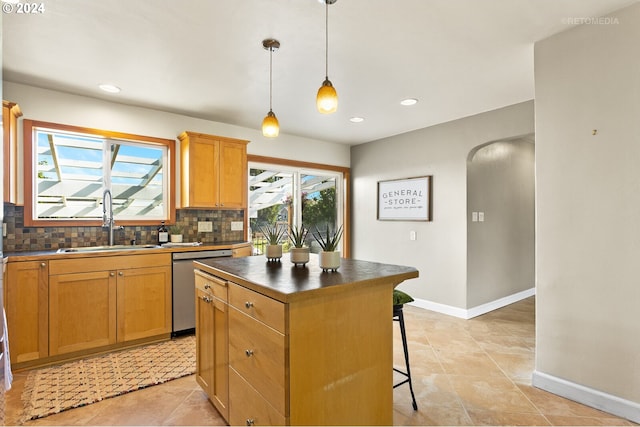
(285, 282)
(52, 253)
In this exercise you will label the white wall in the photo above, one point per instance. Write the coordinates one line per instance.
(588, 213)
(58, 107)
(440, 251)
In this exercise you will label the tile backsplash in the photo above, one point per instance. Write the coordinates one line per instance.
(20, 238)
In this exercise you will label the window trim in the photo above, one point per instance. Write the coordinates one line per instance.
(346, 190)
(29, 196)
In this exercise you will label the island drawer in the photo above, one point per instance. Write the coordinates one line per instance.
(248, 407)
(257, 352)
(258, 306)
(212, 285)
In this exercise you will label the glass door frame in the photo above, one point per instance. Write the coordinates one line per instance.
(343, 188)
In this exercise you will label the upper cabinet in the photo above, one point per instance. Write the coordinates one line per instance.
(10, 113)
(213, 171)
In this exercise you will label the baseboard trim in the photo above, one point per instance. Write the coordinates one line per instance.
(474, 311)
(587, 396)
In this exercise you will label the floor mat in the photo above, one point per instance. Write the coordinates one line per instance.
(57, 388)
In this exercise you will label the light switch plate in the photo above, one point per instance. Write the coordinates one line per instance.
(237, 225)
(205, 226)
(474, 216)
(481, 216)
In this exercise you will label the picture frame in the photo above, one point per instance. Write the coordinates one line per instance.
(407, 199)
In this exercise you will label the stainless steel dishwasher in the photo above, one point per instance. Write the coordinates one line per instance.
(183, 288)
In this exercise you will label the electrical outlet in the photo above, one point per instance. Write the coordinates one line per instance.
(205, 226)
(237, 225)
(413, 235)
(4, 229)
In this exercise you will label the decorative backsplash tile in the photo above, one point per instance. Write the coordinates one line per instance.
(20, 238)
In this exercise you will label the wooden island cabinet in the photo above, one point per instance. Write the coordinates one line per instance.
(304, 347)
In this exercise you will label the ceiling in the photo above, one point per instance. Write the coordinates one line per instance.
(204, 58)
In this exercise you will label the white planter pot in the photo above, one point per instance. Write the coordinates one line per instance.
(273, 252)
(329, 261)
(176, 238)
(299, 256)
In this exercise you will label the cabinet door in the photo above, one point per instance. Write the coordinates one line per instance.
(204, 340)
(200, 180)
(212, 360)
(82, 311)
(144, 302)
(233, 175)
(27, 308)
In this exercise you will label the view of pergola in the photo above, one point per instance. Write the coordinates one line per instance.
(74, 170)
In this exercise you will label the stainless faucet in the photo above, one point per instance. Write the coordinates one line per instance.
(107, 219)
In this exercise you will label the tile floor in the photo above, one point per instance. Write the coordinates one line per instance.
(465, 372)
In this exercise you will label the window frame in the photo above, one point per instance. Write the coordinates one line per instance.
(259, 161)
(29, 127)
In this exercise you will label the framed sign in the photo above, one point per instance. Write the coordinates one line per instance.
(405, 199)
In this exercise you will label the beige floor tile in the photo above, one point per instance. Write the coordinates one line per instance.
(468, 363)
(493, 418)
(496, 394)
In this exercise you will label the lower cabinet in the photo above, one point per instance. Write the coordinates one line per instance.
(26, 299)
(73, 306)
(322, 359)
(143, 302)
(212, 340)
(82, 311)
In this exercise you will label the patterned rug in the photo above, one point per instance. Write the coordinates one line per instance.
(57, 388)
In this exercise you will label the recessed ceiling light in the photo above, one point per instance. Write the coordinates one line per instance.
(356, 119)
(109, 88)
(409, 101)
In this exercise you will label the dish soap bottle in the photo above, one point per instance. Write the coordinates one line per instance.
(163, 234)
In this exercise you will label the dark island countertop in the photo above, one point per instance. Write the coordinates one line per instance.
(286, 283)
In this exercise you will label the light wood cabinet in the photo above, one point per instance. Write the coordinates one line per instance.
(27, 306)
(82, 310)
(213, 171)
(257, 358)
(143, 302)
(10, 114)
(307, 347)
(212, 340)
(109, 300)
(246, 250)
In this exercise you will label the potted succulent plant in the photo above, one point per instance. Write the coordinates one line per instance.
(329, 256)
(299, 253)
(274, 234)
(176, 234)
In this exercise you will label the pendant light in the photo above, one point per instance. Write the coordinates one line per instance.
(270, 125)
(327, 99)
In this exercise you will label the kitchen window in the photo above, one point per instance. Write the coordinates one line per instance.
(292, 193)
(68, 169)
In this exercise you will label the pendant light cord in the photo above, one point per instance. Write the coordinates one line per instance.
(270, 77)
(326, 38)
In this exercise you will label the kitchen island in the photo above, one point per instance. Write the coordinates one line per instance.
(285, 345)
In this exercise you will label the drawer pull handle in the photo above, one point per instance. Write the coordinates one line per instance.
(250, 421)
(249, 353)
(112, 274)
(248, 304)
(206, 299)
(120, 273)
(207, 286)
(43, 264)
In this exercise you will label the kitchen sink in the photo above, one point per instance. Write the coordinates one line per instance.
(106, 248)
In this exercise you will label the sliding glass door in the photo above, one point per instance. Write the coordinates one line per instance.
(289, 196)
